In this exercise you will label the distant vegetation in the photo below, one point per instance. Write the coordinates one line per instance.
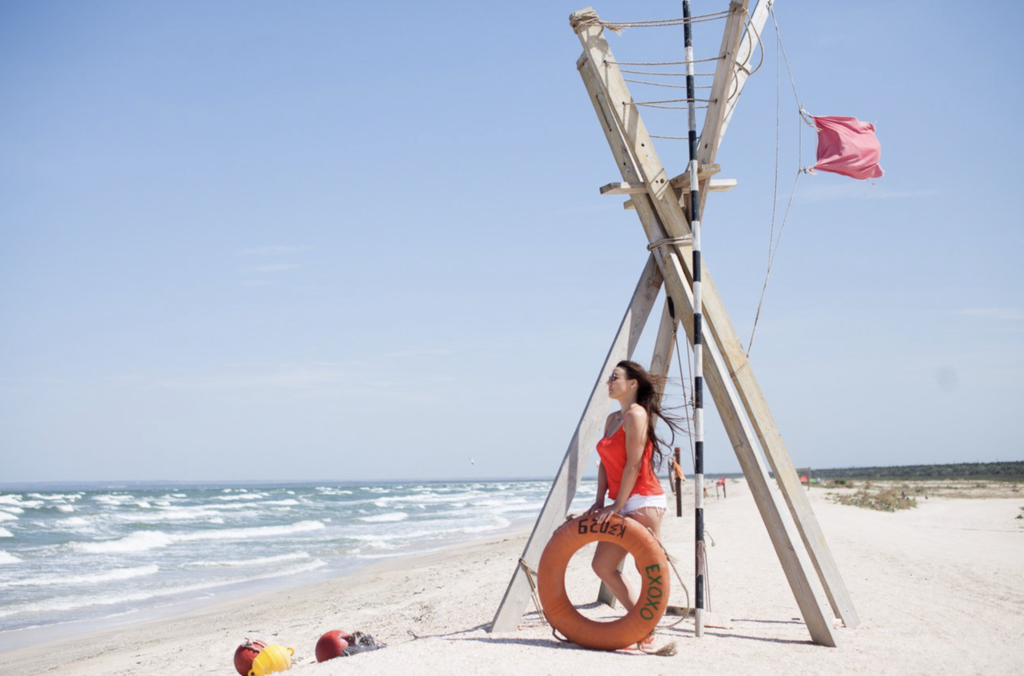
(882, 499)
(989, 471)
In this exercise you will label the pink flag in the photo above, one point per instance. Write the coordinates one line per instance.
(849, 147)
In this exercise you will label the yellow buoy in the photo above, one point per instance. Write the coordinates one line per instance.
(272, 658)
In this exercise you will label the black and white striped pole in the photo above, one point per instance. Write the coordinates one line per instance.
(698, 341)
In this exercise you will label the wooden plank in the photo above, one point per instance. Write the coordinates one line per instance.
(681, 183)
(662, 216)
(636, 144)
(722, 86)
(623, 189)
(714, 185)
(749, 44)
(588, 432)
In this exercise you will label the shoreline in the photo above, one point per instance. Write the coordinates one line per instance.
(227, 597)
(939, 589)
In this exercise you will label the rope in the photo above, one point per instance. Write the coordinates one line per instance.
(669, 240)
(644, 72)
(584, 19)
(651, 103)
(657, 105)
(672, 564)
(689, 402)
(743, 66)
(662, 84)
(774, 250)
(664, 63)
(671, 138)
(530, 575)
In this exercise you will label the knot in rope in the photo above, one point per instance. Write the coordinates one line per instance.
(674, 241)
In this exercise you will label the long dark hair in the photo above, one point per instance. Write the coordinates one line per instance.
(648, 394)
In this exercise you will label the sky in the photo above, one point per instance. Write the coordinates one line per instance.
(327, 241)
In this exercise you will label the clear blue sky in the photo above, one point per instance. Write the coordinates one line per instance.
(321, 240)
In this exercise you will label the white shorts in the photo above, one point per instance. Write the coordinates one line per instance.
(638, 501)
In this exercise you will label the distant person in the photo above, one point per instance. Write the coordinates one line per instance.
(631, 454)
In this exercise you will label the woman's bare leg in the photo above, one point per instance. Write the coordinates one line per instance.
(606, 564)
(608, 557)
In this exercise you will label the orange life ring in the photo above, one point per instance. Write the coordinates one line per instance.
(635, 625)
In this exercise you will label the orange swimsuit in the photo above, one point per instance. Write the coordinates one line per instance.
(613, 458)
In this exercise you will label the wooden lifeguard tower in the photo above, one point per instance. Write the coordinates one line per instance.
(663, 205)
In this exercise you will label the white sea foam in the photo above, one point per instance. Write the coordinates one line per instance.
(112, 500)
(4, 533)
(384, 518)
(6, 558)
(7, 516)
(115, 575)
(75, 524)
(326, 490)
(67, 509)
(289, 502)
(257, 561)
(10, 499)
(66, 603)
(136, 542)
(146, 540)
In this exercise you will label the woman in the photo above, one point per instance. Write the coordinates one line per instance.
(630, 456)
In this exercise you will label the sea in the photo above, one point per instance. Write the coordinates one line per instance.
(74, 560)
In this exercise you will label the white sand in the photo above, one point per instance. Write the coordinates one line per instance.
(940, 589)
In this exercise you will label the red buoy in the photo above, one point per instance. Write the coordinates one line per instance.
(245, 654)
(332, 643)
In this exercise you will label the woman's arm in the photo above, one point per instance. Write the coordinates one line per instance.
(602, 476)
(635, 427)
(602, 489)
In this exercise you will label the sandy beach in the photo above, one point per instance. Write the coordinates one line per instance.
(939, 589)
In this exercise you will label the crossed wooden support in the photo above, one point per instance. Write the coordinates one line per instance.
(662, 210)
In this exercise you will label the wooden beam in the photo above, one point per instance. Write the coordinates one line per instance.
(750, 43)
(662, 217)
(721, 87)
(714, 185)
(588, 432)
(635, 143)
(623, 189)
(681, 183)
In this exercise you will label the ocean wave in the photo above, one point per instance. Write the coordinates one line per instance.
(4, 533)
(136, 542)
(430, 498)
(258, 561)
(74, 524)
(6, 558)
(56, 496)
(10, 499)
(115, 575)
(146, 540)
(290, 502)
(64, 604)
(384, 518)
(67, 509)
(7, 516)
(112, 500)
